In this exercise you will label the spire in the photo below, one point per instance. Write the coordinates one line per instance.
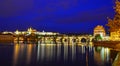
(43, 31)
(17, 32)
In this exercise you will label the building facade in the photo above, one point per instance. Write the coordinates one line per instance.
(6, 38)
(99, 30)
(34, 31)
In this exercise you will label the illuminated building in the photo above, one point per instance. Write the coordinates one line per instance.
(99, 30)
(33, 31)
(7, 32)
(46, 33)
(114, 24)
(29, 31)
(6, 37)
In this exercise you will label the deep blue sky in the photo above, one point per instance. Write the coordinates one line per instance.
(55, 15)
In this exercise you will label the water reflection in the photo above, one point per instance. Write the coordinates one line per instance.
(73, 51)
(59, 54)
(102, 55)
(65, 51)
(22, 53)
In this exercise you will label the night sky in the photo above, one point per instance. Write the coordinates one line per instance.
(64, 16)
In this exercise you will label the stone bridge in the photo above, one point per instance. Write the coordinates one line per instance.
(56, 38)
(66, 38)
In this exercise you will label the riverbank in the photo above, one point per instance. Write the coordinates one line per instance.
(110, 44)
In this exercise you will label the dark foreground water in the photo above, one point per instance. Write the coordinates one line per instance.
(56, 55)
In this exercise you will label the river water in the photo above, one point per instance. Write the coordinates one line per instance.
(61, 54)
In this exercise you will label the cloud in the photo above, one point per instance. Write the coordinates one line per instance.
(15, 7)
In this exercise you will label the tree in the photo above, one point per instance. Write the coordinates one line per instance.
(114, 24)
(98, 37)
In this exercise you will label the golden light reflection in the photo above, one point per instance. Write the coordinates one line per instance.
(21, 51)
(42, 52)
(15, 54)
(58, 51)
(65, 52)
(83, 49)
(29, 52)
(102, 55)
(50, 52)
(46, 52)
(73, 51)
(105, 53)
(38, 52)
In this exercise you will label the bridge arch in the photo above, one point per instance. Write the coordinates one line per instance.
(83, 40)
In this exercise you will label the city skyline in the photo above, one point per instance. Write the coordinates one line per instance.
(56, 16)
(60, 32)
(31, 29)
